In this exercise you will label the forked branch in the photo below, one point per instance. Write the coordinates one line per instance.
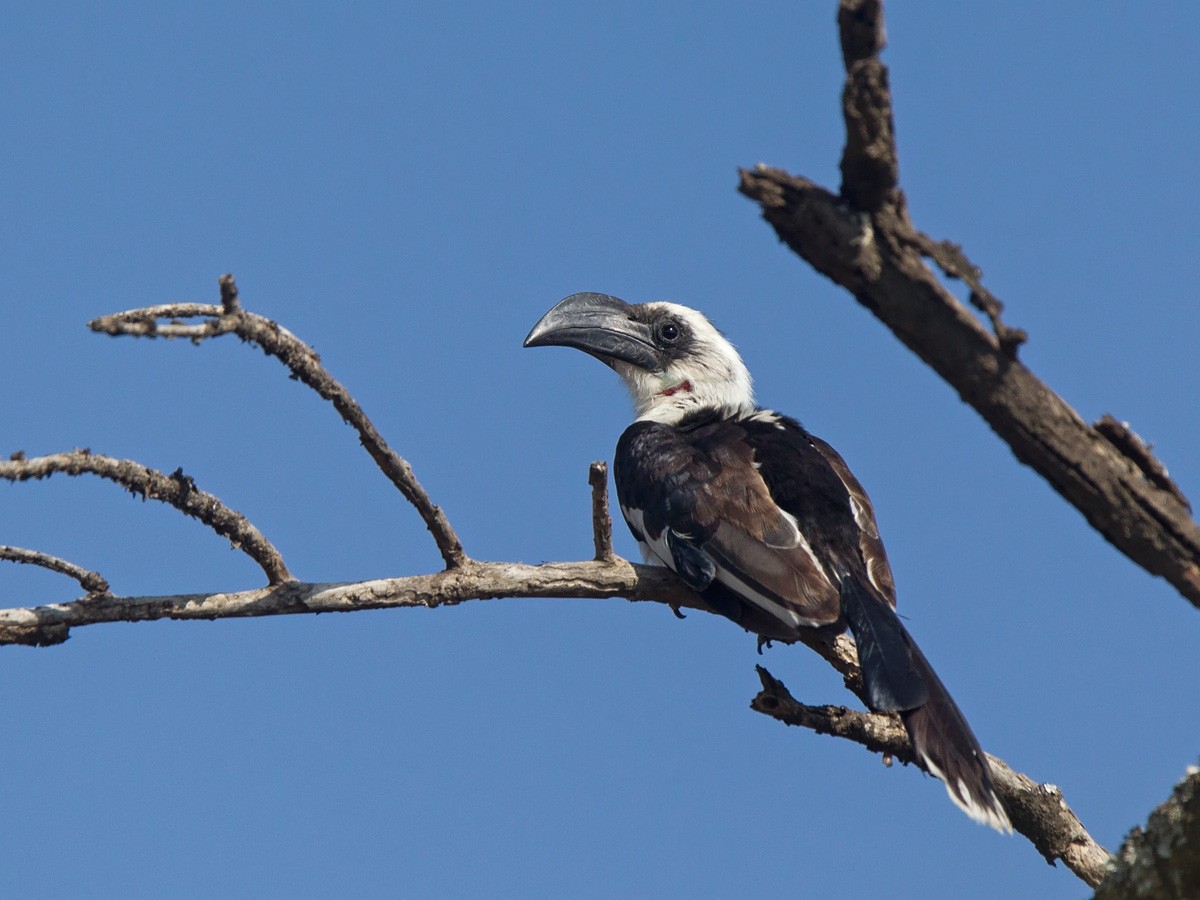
(176, 489)
(1038, 811)
(1042, 822)
(305, 365)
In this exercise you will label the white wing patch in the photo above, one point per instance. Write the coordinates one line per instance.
(797, 537)
(767, 417)
(654, 552)
(763, 602)
(861, 519)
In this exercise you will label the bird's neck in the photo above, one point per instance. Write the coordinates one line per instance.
(677, 398)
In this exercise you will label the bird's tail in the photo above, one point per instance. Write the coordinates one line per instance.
(898, 678)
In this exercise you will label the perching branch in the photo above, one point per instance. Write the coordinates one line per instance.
(1037, 811)
(52, 623)
(593, 579)
(305, 366)
(176, 489)
(92, 582)
(862, 239)
(606, 576)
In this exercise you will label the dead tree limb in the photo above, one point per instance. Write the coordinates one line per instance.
(862, 239)
(606, 576)
(601, 520)
(305, 366)
(176, 489)
(92, 582)
(1038, 811)
(52, 623)
(1044, 824)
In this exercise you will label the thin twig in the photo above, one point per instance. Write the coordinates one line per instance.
(1038, 811)
(230, 303)
(601, 520)
(953, 262)
(305, 365)
(176, 489)
(144, 322)
(92, 582)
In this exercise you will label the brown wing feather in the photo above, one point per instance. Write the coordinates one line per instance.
(869, 541)
(759, 542)
(790, 577)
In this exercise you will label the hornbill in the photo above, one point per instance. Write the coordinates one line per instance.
(762, 519)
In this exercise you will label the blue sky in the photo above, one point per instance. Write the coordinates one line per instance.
(408, 187)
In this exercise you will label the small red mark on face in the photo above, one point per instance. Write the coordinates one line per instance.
(684, 387)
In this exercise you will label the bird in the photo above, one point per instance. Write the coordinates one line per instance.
(761, 518)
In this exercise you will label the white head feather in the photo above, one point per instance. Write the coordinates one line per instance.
(711, 376)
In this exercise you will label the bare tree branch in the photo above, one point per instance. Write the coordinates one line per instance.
(230, 301)
(1162, 861)
(870, 167)
(305, 365)
(1037, 811)
(176, 489)
(92, 582)
(864, 241)
(601, 520)
(51, 624)
(953, 262)
(592, 579)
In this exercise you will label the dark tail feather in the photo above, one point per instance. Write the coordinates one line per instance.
(898, 678)
(948, 749)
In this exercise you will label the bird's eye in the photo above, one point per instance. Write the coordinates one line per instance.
(668, 332)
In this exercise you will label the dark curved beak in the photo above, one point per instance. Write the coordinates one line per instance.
(600, 325)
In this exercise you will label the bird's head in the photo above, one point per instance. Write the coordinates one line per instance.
(670, 357)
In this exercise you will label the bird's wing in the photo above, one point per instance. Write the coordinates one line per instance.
(869, 542)
(697, 501)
